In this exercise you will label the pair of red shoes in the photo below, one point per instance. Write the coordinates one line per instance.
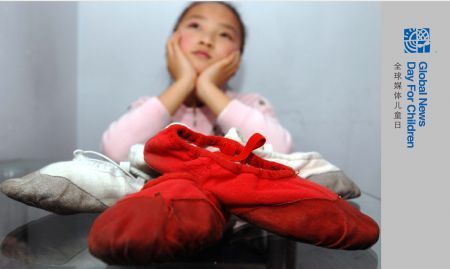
(207, 177)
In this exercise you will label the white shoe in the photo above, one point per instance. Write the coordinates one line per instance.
(309, 165)
(136, 157)
(82, 185)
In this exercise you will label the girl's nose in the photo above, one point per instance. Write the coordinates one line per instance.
(206, 40)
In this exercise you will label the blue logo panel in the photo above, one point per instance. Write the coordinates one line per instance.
(416, 40)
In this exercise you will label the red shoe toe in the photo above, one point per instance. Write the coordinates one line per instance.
(327, 223)
(170, 220)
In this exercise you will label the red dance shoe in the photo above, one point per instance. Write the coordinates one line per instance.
(170, 219)
(267, 194)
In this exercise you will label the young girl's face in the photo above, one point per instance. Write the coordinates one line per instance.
(209, 32)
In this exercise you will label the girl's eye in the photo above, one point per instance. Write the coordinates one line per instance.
(226, 35)
(193, 25)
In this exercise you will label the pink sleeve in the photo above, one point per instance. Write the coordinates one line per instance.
(255, 114)
(145, 118)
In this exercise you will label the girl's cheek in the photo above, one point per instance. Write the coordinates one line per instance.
(228, 50)
(186, 41)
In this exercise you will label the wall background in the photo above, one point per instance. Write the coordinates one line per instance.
(38, 60)
(318, 63)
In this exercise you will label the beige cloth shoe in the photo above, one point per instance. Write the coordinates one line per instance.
(82, 185)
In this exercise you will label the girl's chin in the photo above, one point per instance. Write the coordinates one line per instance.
(200, 67)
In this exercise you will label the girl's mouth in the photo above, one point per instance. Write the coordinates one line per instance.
(202, 54)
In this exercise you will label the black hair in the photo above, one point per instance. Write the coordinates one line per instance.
(227, 5)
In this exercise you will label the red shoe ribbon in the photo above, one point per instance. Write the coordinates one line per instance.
(255, 141)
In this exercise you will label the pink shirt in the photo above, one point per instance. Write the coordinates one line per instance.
(248, 112)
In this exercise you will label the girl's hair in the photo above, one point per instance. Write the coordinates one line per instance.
(227, 5)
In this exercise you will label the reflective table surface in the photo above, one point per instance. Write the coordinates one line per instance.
(34, 238)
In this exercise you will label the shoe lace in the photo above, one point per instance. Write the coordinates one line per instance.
(86, 152)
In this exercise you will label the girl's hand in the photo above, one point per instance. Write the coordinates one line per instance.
(220, 72)
(177, 63)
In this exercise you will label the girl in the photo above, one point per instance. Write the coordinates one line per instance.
(203, 53)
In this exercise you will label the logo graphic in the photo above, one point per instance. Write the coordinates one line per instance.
(417, 40)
